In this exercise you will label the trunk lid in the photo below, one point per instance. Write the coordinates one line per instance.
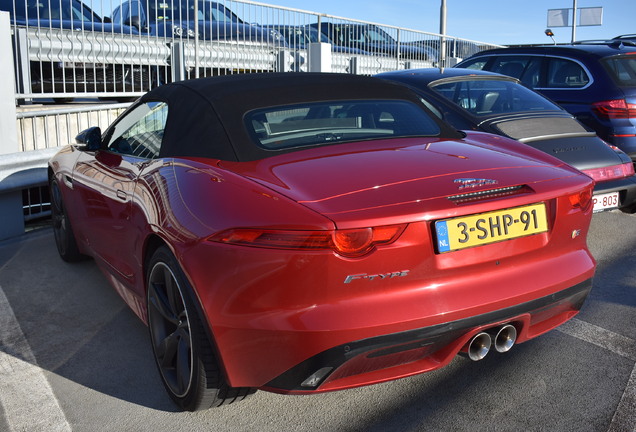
(561, 137)
(394, 178)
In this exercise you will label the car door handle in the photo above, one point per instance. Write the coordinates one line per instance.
(68, 181)
(121, 194)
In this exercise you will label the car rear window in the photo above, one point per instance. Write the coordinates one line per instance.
(622, 69)
(489, 97)
(322, 123)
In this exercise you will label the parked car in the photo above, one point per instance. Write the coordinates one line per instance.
(177, 20)
(594, 82)
(71, 77)
(372, 39)
(489, 102)
(456, 49)
(301, 233)
(300, 37)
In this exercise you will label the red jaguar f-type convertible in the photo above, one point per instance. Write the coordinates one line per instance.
(301, 233)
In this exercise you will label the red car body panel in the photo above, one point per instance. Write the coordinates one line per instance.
(401, 309)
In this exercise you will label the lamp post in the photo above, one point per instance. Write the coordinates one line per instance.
(548, 32)
(442, 31)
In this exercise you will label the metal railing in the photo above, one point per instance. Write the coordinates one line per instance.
(50, 128)
(64, 50)
(40, 132)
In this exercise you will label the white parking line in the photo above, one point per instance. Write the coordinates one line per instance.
(24, 389)
(624, 419)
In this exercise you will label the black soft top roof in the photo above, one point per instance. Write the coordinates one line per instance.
(205, 116)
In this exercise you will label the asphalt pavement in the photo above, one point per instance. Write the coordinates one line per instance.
(73, 357)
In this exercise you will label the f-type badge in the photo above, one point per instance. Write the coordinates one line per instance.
(379, 276)
(471, 183)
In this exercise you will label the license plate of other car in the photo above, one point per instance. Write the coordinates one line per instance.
(484, 228)
(606, 201)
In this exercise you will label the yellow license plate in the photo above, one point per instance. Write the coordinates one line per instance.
(484, 228)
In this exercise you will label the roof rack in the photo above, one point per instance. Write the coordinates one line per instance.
(592, 42)
(615, 43)
(625, 36)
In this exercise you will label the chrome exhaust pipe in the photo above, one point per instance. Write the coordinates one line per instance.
(505, 338)
(479, 346)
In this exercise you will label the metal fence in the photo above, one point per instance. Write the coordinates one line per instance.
(64, 49)
(41, 129)
(24, 196)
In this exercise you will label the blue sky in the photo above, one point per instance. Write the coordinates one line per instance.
(495, 21)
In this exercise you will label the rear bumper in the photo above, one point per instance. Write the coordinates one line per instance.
(406, 353)
(275, 333)
(626, 188)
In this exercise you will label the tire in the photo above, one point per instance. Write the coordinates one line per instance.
(62, 229)
(629, 210)
(183, 353)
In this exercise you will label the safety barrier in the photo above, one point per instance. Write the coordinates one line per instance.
(66, 54)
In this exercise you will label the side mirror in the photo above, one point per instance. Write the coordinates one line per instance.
(133, 21)
(91, 138)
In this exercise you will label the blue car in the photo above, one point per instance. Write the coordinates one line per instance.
(61, 77)
(177, 20)
(300, 37)
(596, 82)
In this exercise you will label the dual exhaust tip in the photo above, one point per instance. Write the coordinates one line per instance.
(501, 339)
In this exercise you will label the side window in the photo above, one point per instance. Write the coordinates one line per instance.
(532, 72)
(140, 132)
(563, 73)
(525, 68)
(115, 15)
(219, 13)
(477, 64)
(510, 65)
(433, 109)
(125, 13)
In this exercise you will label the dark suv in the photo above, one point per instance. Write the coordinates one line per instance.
(596, 82)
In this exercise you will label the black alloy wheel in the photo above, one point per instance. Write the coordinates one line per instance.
(62, 229)
(182, 349)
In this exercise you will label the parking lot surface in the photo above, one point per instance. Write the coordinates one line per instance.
(74, 358)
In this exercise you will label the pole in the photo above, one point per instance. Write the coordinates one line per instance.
(196, 38)
(442, 31)
(574, 21)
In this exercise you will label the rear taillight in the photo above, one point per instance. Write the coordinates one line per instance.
(581, 200)
(349, 243)
(615, 109)
(611, 172)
